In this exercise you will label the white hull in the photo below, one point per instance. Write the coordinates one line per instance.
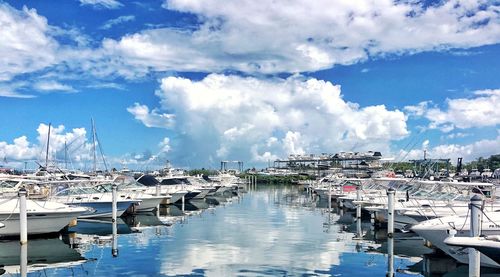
(149, 203)
(436, 231)
(43, 217)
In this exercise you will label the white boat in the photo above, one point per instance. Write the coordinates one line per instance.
(489, 245)
(436, 231)
(99, 202)
(43, 216)
(148, 202)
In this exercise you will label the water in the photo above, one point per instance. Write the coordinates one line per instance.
(272, 231)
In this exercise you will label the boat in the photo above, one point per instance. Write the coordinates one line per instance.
(43, 216)
(100, 203)
(147, 202)
(489, 245)
(437, 230)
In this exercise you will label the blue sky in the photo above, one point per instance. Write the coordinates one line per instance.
(199, 82)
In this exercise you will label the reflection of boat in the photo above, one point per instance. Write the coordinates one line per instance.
(199, 204)
(43, 216)
(143, 220)
(100, 227)
(42, 254)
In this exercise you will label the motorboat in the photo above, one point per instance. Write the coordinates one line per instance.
(99, 202)
(43, 216)
(437, 230)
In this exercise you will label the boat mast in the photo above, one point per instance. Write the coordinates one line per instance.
(47, 151)
(93, 143)
(65, 155)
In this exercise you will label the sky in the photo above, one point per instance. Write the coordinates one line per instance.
(197, 82)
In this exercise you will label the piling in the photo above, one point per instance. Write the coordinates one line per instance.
(23, 217)
(329, 197)
(114, 212)
(475, 231)
(183, 203)
(24, 260)
(390, 232)
(358, 206)
(158, 193)
(358, 212)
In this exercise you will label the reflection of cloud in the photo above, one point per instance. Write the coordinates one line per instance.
(269, 238)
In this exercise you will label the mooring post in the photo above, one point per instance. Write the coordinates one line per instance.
(358, 206)
(23, 217)
(329, 197)
(114, 212)
(183, 203)
(475, 231)
(358, 212)
(24, 260)
(390, 232)
(158, 193)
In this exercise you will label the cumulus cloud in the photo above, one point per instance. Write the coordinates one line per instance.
(153, 118)
(256, 119)
(26, 45)
(479, 111)
(165, 145)
(100, 4)
(52, 85)
(282, 36)
(300, 35)
(472, 151)
(77, 147)
(117, 21)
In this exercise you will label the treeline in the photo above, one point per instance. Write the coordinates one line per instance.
(493, 162)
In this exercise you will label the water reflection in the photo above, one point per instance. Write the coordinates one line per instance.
(269, 231)
(38, 254)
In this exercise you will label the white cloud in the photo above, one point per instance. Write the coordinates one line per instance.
(107, 4)
(165, 145)
(479, 111)
(12, 90)
(297, 36)
(25, 44)
(77, 148)
(257, 119)
(153, 118)
(52, 85)
(472, 151)
(116, 21)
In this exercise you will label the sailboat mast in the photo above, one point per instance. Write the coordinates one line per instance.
(94, 148)
(65, 155)
(47, 151)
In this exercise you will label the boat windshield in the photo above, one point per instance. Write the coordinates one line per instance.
(64, 190)
(8, 184)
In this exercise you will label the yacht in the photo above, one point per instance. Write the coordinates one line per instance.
(43, 216)
(437, 230)
(176, 192)
(100, 203)
(132, 190)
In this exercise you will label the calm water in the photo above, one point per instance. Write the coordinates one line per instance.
(271, 231)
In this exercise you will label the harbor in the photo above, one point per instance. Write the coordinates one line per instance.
(250, 138)
(226, 225)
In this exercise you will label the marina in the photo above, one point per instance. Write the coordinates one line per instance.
(249, 230)
(250, 138)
